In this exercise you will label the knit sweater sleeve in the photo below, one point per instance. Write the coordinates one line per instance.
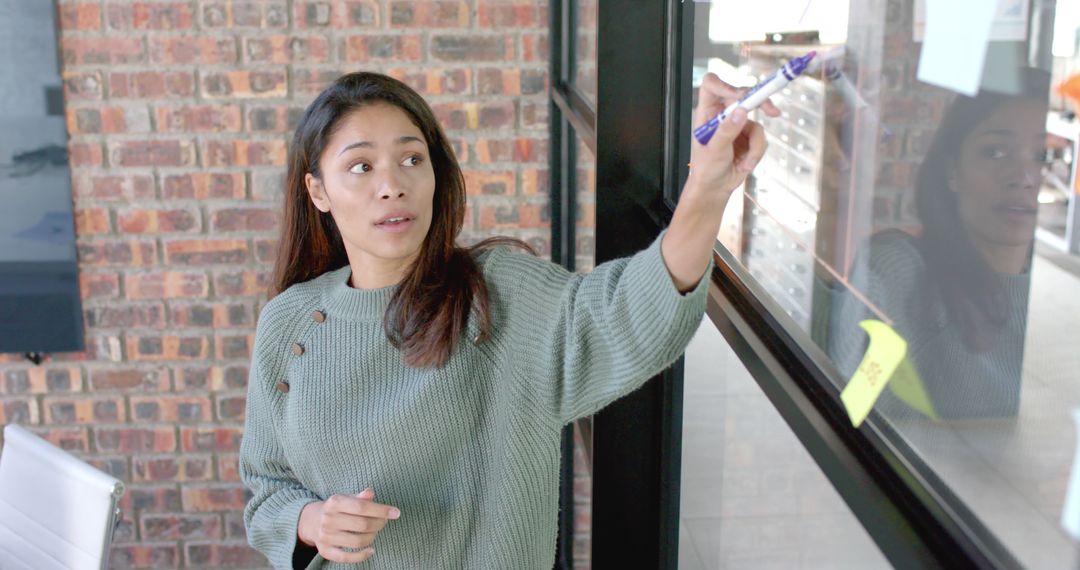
(273, 510)
(587, 339)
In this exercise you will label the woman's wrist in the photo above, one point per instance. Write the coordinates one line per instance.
(309, 519)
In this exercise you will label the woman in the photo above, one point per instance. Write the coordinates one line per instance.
(393, 365)
(958, 293)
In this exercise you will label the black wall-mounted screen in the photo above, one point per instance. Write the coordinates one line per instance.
(40, 308)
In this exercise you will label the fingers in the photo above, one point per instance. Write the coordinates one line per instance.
(729, 130)
(756, 144)
(361, 507)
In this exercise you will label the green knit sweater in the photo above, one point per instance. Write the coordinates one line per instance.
(470, 451)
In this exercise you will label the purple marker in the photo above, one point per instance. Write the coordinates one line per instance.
(758, 95)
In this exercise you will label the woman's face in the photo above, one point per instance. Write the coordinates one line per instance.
(998, 173)
(378, 183)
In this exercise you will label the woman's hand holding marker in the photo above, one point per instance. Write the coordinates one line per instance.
(344, 527)
(735, 148)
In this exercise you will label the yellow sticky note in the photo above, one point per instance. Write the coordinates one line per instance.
(908, 386)
(884, 353)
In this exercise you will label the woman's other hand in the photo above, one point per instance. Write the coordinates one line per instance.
(344, 527)
(719, 167)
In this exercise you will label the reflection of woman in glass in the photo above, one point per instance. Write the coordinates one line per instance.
(958, 293)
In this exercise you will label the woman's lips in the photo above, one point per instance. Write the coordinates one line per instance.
(396, 227)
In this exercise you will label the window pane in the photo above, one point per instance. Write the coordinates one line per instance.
(584, 65)
(934, 208)
(751, 495)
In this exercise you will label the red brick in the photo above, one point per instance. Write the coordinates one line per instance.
(149, 16)
(108, 120)
(203, 185)
(153, 221)
(85, 154)
(42, 380)
(74, 440)
(514, 216)
(198, 118)
(68, 410)
(98, 285)
(127, 316)
(381, 48)
(129, 188)
(116, 253)
(180, 527)
(20, 411)
(229, 468)
(171, 409)
(534, 115)
(511, 81)
(313, 81)
(244, 84)
(151, 499)
(167, 347)
(166, 285)
(123, 556)
(254, 14)
(286, 49)
(130, 379)
(151, 84)
(428, 14)
(220, 315)
(502, 14)
(135, 440)
(485, 182)
(214, 378)
(472, 47)
(192, 50)
(534, 47)
(535, 181)
(217, 498)
(236, 555)
(275, 119)
(80, 17)
(475, 115)
(244, 219)
(519, 150)
(173, 469)
(231, 408)
(83, 86)
(90, 221)
(206, 252)
(115, 466)
(336, 13)
(218, 439)
(244, 153)
(234, 346)
(266, 251)
(152, 153)
(101, 50)
(435, 81)
(241, 283)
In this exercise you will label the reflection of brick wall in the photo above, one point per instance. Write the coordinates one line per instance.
(179, 113)
(911, 111)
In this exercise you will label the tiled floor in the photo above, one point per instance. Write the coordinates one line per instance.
(753, 498)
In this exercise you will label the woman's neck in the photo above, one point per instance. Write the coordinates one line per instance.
(1010, 259)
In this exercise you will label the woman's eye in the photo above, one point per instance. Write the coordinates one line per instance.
(994, 152)
(360, 168)
(413, 160)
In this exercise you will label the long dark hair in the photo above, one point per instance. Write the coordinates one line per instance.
(430, 307)
(962, 278)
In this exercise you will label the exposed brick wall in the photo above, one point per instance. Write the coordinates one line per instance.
(179, 113)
